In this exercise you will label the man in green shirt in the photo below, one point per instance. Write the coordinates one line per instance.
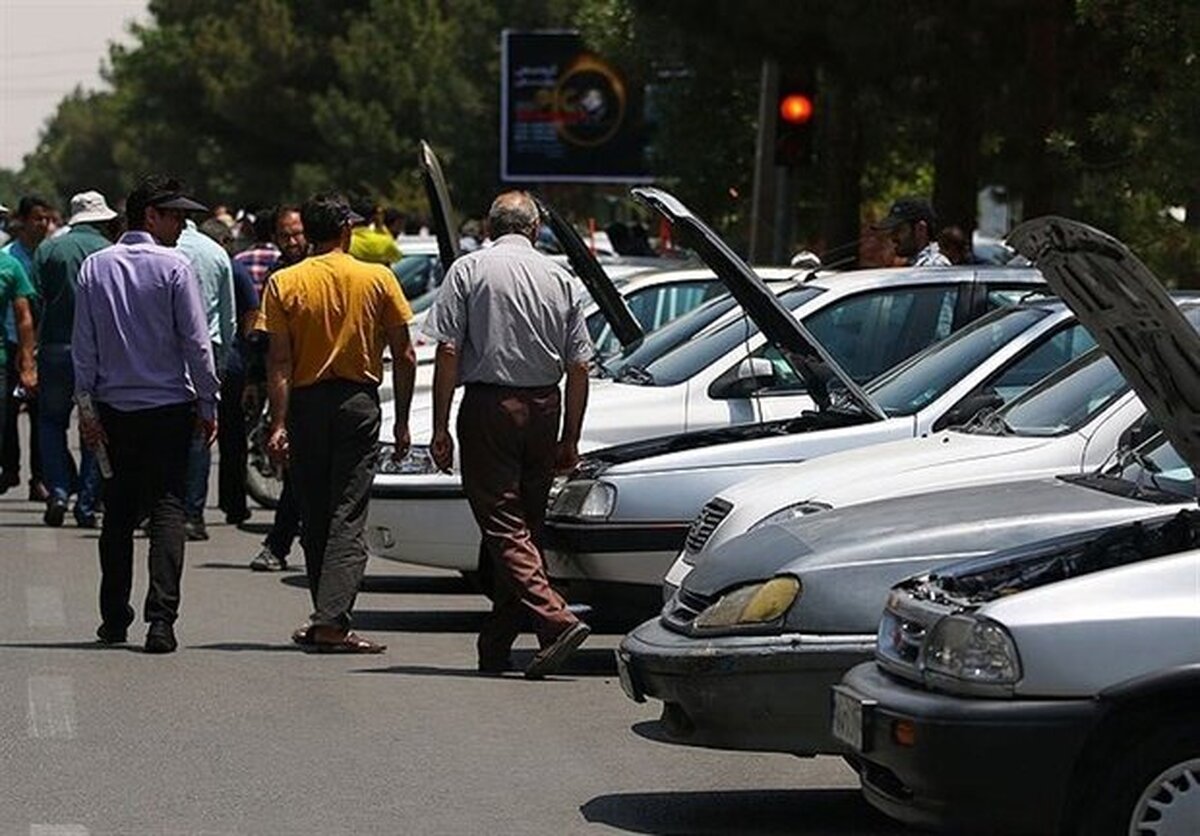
(56, 264)
(16, 290)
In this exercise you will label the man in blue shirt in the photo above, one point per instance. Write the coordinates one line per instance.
(56, 264)
(155, 388)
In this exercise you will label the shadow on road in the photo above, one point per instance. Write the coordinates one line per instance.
(240, 647)
(586, 662)
(419, 621)
(811, 812)
(263, 528)
(410, 584)
(133, 647)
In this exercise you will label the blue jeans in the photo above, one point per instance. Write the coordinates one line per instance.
(198, 466)
(56, 385)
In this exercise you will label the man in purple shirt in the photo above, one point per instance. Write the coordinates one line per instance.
(141, 350)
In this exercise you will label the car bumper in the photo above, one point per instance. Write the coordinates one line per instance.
(974, 764)
(426, 525)
(614, 553)
(760, 693)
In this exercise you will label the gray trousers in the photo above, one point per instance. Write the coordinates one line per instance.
(333, 431)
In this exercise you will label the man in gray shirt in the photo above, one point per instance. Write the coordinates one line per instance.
(509, 324)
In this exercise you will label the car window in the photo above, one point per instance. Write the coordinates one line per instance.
(918, 382)
(1158, 465)
(1047, 356)
(1065, 400)
(678, 350)
(653, 307)
(871, 332)
(418, 273)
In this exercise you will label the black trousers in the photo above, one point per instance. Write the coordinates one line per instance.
(287, 520)
(231, 444)
(10, 451)
(148, 449)
(333, 432)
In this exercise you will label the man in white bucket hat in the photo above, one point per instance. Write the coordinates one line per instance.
(55, 276)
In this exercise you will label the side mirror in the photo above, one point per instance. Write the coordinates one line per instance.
(968, 408)
(744, 379)
(806, 260)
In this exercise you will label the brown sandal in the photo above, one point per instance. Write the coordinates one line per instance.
(349, 643)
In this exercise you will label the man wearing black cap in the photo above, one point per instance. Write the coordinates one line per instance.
(911, 224)
(141, 352)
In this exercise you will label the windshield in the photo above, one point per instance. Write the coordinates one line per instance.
(670, 355)
(1066, 400)
(1156, 466)
(918, 381)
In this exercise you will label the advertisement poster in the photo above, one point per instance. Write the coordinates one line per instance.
(566, 113)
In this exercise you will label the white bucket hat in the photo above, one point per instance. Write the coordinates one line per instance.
(90, 206)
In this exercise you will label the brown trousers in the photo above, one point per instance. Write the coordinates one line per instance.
(507, 439)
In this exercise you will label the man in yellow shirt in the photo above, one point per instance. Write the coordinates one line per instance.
(329, 318)
(370, 239)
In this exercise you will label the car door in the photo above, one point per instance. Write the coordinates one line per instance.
(866, 333)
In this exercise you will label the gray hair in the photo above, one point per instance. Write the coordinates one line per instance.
(512, 212)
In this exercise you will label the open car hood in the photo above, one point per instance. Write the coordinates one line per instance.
(604, 293)
(1128, 311)
(809, 357)
(440, 208)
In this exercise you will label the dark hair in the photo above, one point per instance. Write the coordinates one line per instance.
(147, 189)
(512, 212)
(264, 224)
(217, 230)
(392, 215)
(30, 202)
(324, 216)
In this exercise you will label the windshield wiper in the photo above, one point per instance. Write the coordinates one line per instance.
(636, 375)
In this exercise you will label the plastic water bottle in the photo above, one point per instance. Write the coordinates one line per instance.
(88, 411)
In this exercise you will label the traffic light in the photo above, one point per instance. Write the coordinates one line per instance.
(795, 122)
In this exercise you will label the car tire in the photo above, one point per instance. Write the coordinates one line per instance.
(1153, 780)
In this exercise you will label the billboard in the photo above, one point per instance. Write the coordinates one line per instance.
(566, 114)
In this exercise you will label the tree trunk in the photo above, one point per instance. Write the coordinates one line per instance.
(840, 150)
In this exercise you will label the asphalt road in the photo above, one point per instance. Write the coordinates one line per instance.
(241, 733)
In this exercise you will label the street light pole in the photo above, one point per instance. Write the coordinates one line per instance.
(763, 207)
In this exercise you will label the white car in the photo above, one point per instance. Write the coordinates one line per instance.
(619, 523)
(718, 371)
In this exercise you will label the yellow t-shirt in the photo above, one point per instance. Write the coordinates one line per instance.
(335, 311)
(367, 243)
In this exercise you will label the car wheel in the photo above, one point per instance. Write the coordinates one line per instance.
(1153, 788)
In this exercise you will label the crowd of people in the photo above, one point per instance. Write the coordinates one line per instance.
(170, 323)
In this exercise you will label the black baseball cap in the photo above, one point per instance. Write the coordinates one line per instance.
(907, 210)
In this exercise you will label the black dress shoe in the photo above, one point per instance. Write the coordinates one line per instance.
(160, 638)
(111, 634)
(547, 660)
(56, 510)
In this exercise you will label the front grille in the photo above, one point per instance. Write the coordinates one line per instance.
(683, 609)
(706, 523)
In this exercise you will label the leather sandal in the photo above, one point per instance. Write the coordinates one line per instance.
(349, 643)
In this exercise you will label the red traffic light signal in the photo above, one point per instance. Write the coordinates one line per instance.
(795, 108)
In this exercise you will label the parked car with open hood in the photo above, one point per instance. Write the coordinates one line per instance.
(743, 655)
(722, 373)
(615, 527)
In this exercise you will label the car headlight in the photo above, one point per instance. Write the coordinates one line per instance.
(418, 461)
(585, 498)
(791, 512)
(756, 604)
(971, 653)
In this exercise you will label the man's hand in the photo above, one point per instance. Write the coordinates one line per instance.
(277, 445)
(566, 457)
(442, 450)
(92, 433)
(29, 378)
(206, 428)
(402, 441)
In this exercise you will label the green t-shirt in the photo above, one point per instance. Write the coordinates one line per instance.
(14, 284)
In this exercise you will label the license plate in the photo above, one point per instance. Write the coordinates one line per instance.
(850, 717)
(625, 674)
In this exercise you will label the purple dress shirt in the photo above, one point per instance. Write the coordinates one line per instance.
(140, 338)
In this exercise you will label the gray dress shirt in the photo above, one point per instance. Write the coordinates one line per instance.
(514, 316)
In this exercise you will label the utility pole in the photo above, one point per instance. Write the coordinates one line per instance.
(763, 208)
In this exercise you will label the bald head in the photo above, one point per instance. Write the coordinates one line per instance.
(513, 212)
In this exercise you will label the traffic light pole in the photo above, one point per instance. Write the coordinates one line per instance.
(763, 218)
